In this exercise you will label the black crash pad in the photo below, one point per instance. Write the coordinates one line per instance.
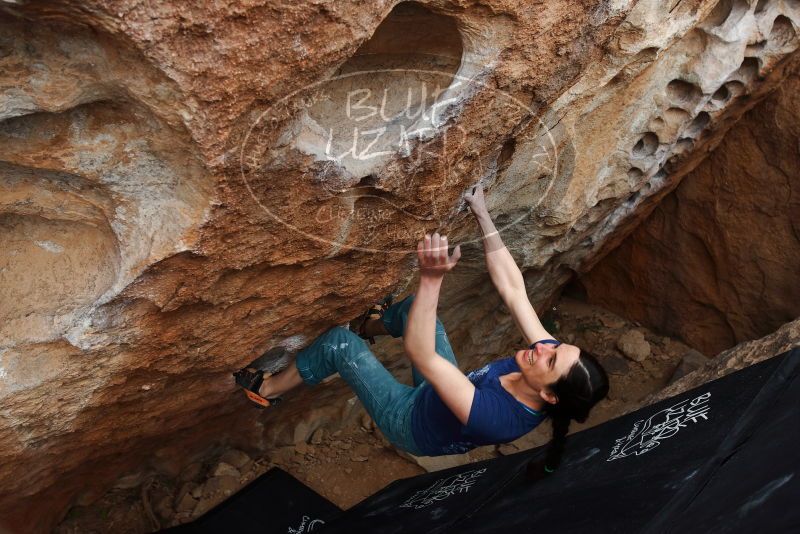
(723, 457)
(274, 503)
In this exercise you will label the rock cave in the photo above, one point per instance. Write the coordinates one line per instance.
(186, 187)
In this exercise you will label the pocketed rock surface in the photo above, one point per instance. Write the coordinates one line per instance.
(186, 185)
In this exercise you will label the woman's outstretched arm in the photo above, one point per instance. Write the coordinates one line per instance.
(455, 389)
(503, 270)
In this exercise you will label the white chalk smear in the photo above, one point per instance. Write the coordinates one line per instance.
(588, 455)
(763, 494)
(49, 246)
(690, 475)
(294, 343)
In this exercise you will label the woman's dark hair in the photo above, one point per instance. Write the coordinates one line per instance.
(578, 391)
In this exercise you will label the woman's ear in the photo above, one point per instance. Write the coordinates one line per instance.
(548, 396)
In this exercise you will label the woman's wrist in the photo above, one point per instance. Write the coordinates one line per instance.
(485, 223)
(481, 213)
(431, 279)
(495, 247)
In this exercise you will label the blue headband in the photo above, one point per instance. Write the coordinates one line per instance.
(551, 341)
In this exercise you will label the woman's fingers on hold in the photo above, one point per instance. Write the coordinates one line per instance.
(456, 254)
(426, 247)
(433, 251)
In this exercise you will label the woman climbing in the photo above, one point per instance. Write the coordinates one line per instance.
(446, 412)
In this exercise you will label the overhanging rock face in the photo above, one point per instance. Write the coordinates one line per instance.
(185, 187)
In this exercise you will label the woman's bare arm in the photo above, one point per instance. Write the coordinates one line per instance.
(505, 275)
(455, 389)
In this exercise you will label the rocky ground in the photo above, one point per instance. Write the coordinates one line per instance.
(639, 362)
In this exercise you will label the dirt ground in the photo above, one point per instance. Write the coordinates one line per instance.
(345, 467)
(353, 462)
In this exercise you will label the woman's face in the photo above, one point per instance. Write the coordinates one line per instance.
(544, 364)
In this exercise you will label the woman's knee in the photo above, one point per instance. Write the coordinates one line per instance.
(343, 340)
(339, 333)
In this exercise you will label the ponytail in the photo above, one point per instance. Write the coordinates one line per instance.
(577, 391)
(552, 457)
(543, 466)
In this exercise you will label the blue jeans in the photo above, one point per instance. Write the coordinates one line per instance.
(387, 401)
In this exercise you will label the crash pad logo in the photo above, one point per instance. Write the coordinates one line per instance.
(443, 488)
(306, 525)
(647, 434)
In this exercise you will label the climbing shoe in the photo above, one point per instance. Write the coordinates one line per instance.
(251, 376)
(375, 311)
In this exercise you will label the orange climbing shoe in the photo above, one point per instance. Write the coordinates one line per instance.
(251, 376)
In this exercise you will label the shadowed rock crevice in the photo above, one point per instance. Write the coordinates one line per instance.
(716, 262)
